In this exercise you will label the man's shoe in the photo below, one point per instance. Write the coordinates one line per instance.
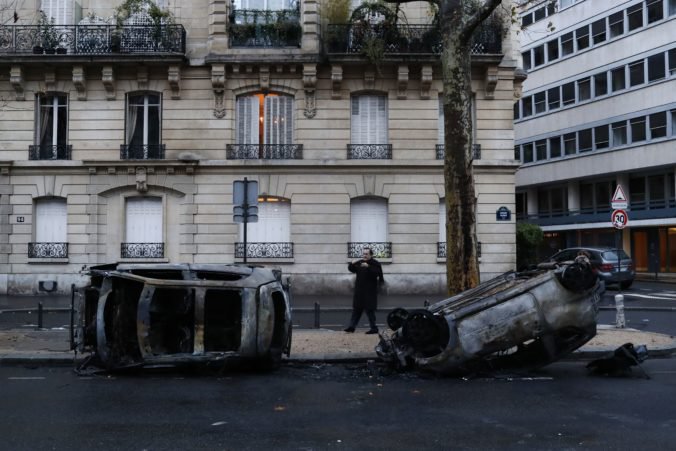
(349, 330)
(371, 331)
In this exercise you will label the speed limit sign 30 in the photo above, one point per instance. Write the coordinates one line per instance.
(619, 219)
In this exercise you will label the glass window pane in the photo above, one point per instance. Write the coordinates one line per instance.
(655, 11)
(584, 89)
(672, 7)
(587, 197)
(582, 37)
(635, 16)
(637, 190)
(527, 106)
(619, 133)
(528, 153)
(555, 147)
(567, 46)
(568, 92)
(616, 22)
(540, 102)
(672, 60)
(638, 130)
(585, 140)
(617, 77)
(636, 73)
(517, 153)
(658, 125)
(601, 137)
(656, 190)
(673, 122)
(539, 56)
(526, 60)
(553, 50)
(135, 124)
(539, 14)
(516, 110)
(527, 20)
(554, 98)
(599, 31)
(601, 84)
(656, 67)
(153, 125)
(61, 125)
(569, 143)
(541, 149)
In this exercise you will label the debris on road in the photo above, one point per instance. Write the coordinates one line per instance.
(620, 361)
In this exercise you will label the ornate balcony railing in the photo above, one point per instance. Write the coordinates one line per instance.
(47, 250)
(476, 151)
(380, 250)
(441, 249)
(142, 152)
(264, 250)
(406, 39)
(369, 151)
(265, 28)
(57, 152)
(264, 151)
(93, 39)
(142, 250)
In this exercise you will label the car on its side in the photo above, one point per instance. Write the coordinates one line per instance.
(612, 266)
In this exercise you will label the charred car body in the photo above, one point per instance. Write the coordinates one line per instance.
(141, 315)
(517, 320)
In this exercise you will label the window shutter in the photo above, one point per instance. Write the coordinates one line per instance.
(247, 120)
(278, 120)
(368, 220)
(51, 221)
(355, 121)
(60, 10)
(369, 120)
(273, 226)
(440, 124)
(144, 220)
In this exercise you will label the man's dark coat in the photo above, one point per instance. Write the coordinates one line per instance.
(366, 285)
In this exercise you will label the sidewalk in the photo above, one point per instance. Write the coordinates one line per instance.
(51, 347)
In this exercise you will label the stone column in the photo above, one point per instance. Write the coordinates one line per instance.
(217, 42)
(309, 18)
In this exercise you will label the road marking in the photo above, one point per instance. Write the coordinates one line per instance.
(645, 296)
(16, 378)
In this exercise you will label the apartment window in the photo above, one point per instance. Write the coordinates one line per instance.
(616, 24)
(516, 114)
(656, 191)
(601, 138)
(264, 119)
(638, 129)
(540, 102)
(528, 153)
(635, 16)
(554, 98)
(655, 10)
(673, 122)
(584, 138)
(656, 67)
(143, 228)
(526, 20)
(601, 84)
(526, 60)
(517, 153)
(51, 228)
(555, 147)
(569, 144)
(658, 125)
(264, 4)
(638, 193)
(567, 46)
(52, 121)
(553, 50)
(672, 60)
(527, 106)
(270, 237)
(636, 73)
(62, 11)
(369, 119)
(584, 89)
(368, 224)
(617, 79)
(619, 133)
(599, 31)
(541, 149)
(539, 14)
(539, 56)
(552, 201)
(672, 7)
(568, 93)
(143, 120)
(582, 37)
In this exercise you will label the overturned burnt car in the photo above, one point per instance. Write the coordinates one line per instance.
(517, 320)
(150, 315)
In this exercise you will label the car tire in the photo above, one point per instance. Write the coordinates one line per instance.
(626, 284)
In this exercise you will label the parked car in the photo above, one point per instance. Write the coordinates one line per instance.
(604, 261)
(147, 315)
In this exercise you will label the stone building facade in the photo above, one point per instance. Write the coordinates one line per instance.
(123, 145)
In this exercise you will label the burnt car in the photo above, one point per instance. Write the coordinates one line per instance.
(613, 266)
(517, 320)
(148, 315)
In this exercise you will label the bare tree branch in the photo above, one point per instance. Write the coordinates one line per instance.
(479, 16)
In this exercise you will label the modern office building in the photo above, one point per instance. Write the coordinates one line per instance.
(121, 136)
(599, 111)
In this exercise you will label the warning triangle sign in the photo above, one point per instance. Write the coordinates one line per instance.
(619, 195)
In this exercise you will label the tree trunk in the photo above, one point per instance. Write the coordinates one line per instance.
(462, 268)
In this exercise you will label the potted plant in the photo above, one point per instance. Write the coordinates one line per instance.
(159, 18)
(49, 37)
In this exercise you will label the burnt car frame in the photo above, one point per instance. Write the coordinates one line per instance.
(517, 320)
(145, 315)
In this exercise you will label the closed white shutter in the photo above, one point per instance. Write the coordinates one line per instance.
(51, 221)
(60, 10)
(278, 120)
(442, 221)
(440, 123)
(369, 119)
(368, 220)
(144, 220)
(273, 226)
(247, 120)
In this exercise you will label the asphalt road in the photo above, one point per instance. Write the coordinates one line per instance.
(324, 407)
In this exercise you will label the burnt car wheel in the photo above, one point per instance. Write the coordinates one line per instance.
(426, 333)
(626, 284)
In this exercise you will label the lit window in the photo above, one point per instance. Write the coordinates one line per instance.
(264, 119)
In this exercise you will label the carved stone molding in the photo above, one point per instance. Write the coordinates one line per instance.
(50, 80)
(175, 81)
(369, 79)
(80, 82)
(264, 77)
(142, 78)
(16, 79)
(425, 82)
(336, 81)
(108, 79)
(218, 86)
(310, 84)
(141, 180)
(402, 81)
(520, 76)
(491, 81)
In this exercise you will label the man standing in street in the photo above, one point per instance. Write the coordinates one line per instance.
(369, 274)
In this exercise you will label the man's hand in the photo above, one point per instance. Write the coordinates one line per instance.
(364, 265)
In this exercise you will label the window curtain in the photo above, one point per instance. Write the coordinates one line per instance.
(132, 117)
(46, 120)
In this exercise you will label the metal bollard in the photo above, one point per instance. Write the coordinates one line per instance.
(316, 315)
(620, 322)
(40, 308)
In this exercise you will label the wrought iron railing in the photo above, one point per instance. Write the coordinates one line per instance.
(380, 250)
(142, 250)
(264, 250)
(441, 151)
(441, 249)
(369, 151)
(47, 250)
(264, 151)
(93, 39)
(142, 151)
(265, 28)
(51, 152)
(406, 39)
